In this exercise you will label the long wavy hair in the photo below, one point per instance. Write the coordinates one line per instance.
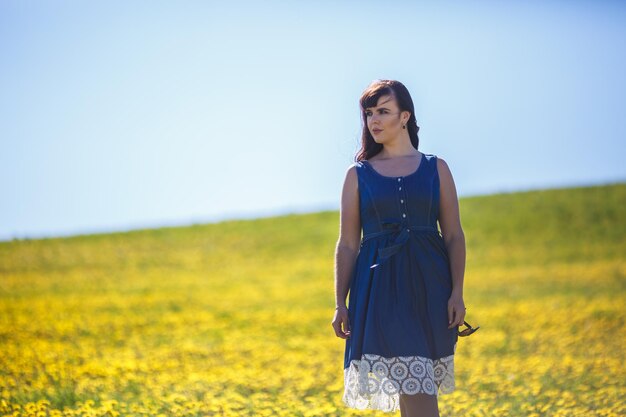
(369, 98)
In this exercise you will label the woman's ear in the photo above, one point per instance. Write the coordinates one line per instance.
(406, 121)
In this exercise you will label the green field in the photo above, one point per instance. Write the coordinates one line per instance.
(234, 318)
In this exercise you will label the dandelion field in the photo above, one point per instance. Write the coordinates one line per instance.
(233, 318)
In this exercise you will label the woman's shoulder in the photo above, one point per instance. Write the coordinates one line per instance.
(434, 158)
(441, 166)
(353, 171)
(355, 166)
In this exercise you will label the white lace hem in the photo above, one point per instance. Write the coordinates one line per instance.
(376, 382)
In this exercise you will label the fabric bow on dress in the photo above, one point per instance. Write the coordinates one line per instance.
(403, 233)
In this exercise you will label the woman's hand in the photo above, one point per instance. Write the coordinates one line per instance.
(341, 317)
(456, 310)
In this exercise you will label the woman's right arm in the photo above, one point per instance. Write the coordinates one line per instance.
(347, 249)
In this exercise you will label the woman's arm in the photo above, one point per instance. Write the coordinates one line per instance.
(450, 222)
(346, 250)
(349, 240)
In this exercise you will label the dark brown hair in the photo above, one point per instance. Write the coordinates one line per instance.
(369, 98)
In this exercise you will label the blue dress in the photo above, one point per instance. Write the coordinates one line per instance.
(399, 291)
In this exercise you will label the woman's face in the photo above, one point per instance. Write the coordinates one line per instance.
(384, 121)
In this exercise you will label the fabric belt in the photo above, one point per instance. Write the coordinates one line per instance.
(403, 233)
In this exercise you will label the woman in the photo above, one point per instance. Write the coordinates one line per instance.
(405, 277)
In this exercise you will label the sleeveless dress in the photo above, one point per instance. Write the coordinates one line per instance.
(398, 301)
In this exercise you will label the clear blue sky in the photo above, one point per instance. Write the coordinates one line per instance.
(117, 115)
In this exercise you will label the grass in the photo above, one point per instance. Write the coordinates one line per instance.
(234, 318)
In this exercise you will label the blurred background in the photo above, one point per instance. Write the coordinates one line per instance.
(170, 180)
(122, 115)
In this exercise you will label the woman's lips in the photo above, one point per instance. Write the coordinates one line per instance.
(377, 130)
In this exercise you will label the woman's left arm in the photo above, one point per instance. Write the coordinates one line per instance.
(454, 238)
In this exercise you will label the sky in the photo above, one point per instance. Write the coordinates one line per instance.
(121, 115)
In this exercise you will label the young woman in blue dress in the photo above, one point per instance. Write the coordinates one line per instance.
(391, 145)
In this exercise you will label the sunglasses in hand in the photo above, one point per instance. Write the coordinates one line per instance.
(469, 330)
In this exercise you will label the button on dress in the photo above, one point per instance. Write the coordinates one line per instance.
(399, 291)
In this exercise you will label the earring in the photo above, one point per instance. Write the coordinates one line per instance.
(403, 126)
